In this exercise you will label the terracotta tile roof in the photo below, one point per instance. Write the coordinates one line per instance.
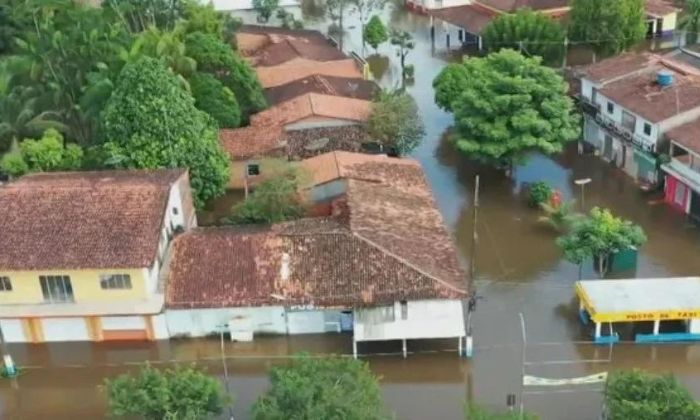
(327, 85)
(612, 68)
(340, 164)
(300, 68)
(470, 17)
(687, 135)
(284, 48)
(220, 267)
(660, 8)
(641, 94)
(109, 219)
(387, 242)
(247, 142)
(302, 144)
(313, 105)
(513, 5)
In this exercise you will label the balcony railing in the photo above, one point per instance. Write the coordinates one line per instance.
(587, 105)
(621, 132)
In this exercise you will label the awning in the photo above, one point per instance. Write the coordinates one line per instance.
(641, 299)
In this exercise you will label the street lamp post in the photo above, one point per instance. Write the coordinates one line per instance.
(222, 329)
(582, 183)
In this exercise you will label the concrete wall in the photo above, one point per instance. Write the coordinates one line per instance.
(424, 319)
(319, 122)
(269, 320)
(616, 116)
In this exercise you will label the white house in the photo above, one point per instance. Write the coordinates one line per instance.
(381, 264)
(630, 101)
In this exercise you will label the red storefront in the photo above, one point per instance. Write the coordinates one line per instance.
(677, 193)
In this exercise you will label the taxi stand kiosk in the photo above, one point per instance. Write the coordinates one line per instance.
(641, 300)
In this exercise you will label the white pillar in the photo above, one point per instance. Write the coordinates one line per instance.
(597, 329)
(657, 324)
(479, 42)
(404, 348)
(459, 346)
(469, 351)
(354, 347)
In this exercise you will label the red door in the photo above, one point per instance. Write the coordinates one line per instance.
(676, 193)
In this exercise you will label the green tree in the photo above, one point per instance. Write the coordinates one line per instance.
(139, 15)
(216, 57)
(395, 122)
(478, 413)
(75, 50)
(609, 27)
(212, 97)
(404, 43)
(186, 393)
(321, 388)
(375, 32)
(532, 32)
(49, 153)
(202, 18)
(364, 8)
(166, 46)
(265, 8)
(274, 200)
(600, 235)
(639, 395)
(506, 105)
(690, 21)
(151, 122)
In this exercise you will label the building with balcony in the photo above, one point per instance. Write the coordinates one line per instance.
(83, 254)
(630, 101)
(683, 170)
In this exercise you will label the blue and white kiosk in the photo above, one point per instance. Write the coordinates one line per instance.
(641, 300)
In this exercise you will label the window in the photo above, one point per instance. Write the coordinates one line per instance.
(115, 281)
(56, 288)
(611, 108)
(629, 121)
(175, 211)
(681, 191)
(404, 310)
(647, 129)
(5, 284)
(253, 169)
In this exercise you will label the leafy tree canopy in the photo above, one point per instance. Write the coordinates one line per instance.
(212, 97)
(49, 153)
(600, 235)
(185, 393)
(265, 8)
(534, 32)
(506, 105)
(375, 32)
(139, 15)
(395, 122)
(167, 46)
(640, 395)
(609, 27)
(330, 388)
(198, 17)
(151, 122)
(274, 200)
(216, 57)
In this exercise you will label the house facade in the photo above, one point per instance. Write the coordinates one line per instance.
(342, 272)
(84, 253)
(682, 171)
(629, 102)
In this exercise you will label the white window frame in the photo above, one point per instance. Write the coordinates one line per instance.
(56, 288)
(115, 282)
(5, 284)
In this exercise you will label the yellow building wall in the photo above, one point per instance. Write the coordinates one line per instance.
(26, 287)
(669, 23)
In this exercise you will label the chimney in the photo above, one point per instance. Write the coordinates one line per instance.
(284, 269)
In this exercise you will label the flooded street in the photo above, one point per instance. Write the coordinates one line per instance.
(519, 269)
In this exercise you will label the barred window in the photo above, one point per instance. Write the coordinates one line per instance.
(115, 281)
(5, 284)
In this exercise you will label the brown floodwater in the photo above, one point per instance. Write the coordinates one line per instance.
(519, 270)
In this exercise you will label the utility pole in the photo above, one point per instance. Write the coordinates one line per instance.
(222, 328)
(471, 305)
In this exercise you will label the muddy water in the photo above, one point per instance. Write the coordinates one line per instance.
(519, 269)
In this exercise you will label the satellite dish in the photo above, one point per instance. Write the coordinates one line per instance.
(317, 144)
